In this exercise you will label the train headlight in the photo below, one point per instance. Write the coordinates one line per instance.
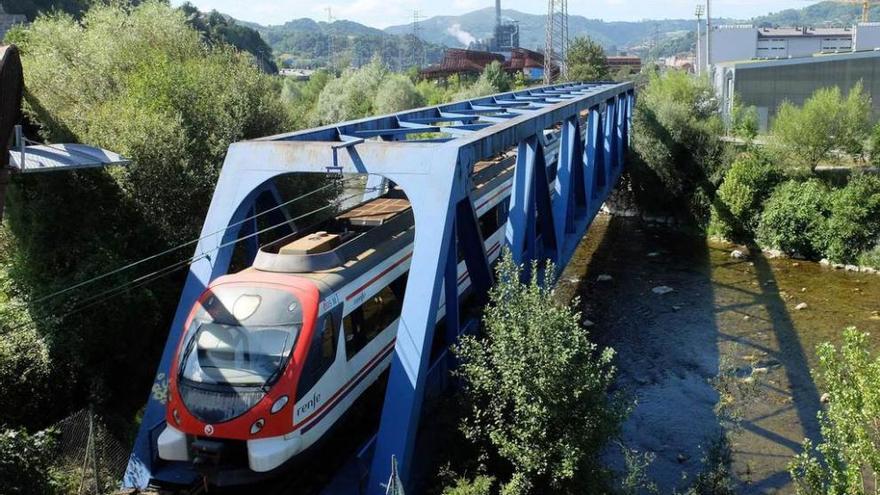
(279, 404)
(257, 426)
(176, 416)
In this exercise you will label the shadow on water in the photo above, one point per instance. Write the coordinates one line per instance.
(723, 313)
(760, 325)
(666, 344)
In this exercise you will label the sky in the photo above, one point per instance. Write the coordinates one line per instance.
(384, 13)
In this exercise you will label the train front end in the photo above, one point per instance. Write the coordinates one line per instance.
(233, 380)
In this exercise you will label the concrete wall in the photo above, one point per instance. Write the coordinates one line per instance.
(867, 36)
(733, 43)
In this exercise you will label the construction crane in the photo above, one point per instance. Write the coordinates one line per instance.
(866, 8)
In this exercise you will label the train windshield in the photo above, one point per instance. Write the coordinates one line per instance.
(237, 355)
(241, 336)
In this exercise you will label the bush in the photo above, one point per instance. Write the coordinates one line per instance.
(749, 182)
(25, 462)
(875, 145)
(586, 60)
(497, 77)
(351, 95)
(677, 150)
(481, 485)
(848, 457)
(537, 389)
(854, 225)
(871, 258)
(396, 93)
(794, 217)
(805, 136)
(137, 80)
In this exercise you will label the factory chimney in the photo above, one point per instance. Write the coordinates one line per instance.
(497, 15)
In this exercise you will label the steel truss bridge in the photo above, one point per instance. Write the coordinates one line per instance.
(551, 207)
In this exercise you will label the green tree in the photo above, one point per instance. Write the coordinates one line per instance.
(743, 121)
(218, 28)
(537, 389)
(497, 77)
(396, 93)
(139, 81)
(847, 459)
(747, 184)
(678, 154)
(854, 222)
(794, 218)
(352, 94)
(827, 122)
(25, 462)
(586, 60)
(301, 98)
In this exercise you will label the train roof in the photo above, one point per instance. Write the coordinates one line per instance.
(362, 236)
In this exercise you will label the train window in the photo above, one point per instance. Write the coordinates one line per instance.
(363, 324)
(492, 220)
(321, 355)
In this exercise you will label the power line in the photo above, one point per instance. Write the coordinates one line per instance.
(170, 250)
(165, 271)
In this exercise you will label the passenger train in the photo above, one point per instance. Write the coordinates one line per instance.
(272, 357)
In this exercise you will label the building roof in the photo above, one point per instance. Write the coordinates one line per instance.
(815, 59)
(789, 32)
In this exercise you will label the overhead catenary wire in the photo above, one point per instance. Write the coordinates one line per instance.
(174, 267)
(170, 250)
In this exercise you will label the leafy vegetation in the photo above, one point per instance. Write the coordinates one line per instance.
(157, 94)
(794, 216)
(847, 459)
(218, 28)
(586, 60)
(538, 389)
(25, 461)
(677, 153)
(827, 122)
(741, 196)
(854, 222)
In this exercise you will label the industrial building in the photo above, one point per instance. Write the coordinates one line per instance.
(735, 43)
(472, 62)
(617, 62)
(766, 84)
(506, 33)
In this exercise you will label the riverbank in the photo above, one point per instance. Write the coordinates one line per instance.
(722, 314)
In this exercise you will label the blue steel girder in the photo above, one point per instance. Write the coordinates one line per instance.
(435, 175)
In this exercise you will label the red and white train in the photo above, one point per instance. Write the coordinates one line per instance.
(272, 356)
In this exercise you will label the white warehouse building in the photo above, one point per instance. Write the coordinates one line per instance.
(738, 43)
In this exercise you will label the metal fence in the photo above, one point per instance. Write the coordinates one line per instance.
(90, 459)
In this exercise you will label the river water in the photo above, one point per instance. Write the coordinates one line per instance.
(722, 314)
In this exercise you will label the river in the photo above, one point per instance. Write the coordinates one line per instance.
(723, 314)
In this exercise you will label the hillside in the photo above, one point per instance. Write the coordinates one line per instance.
(820, 14)
(308, 43)
(458, 31)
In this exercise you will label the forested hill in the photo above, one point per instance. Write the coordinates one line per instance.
(820, 14)
(214, 26)
(308, 43)
(458, 31)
